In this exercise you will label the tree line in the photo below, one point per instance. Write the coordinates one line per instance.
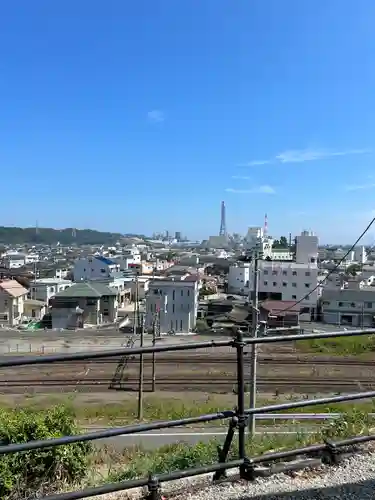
(50, 236)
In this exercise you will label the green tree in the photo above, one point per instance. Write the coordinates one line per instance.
(281, 243)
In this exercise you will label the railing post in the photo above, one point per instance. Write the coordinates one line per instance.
(224, 451)
(239, 345)
(153, 489)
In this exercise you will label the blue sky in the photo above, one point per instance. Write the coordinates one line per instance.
(142, 116)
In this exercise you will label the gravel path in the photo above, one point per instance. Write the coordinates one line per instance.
(354, 479)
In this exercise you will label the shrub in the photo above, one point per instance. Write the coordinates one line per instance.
(39, 469)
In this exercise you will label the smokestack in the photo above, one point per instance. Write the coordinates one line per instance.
(290, 240)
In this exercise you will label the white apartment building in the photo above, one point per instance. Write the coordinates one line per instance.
(46, 288)
(14, 260)
(283, 280)
(175, 302)
(127, 257)
(93, 267)
(31, 258)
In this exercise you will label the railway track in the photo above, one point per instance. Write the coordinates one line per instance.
(198, 385)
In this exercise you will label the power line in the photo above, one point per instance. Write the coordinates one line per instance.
(332, 270)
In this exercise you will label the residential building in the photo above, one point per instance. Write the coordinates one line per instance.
(350, 306)
(45, 288)
(12, 299)
(31, 258)
(174, 301)
(34, 309)
(14, 260)
(92, 267)
(287, 281)
(84, 303)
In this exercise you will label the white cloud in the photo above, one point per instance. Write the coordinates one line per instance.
(156, 116)
(254, 163)
(241, 177)
(302, 155)
(260, 189)
(358, 187)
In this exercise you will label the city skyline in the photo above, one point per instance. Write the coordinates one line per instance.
(266, 105)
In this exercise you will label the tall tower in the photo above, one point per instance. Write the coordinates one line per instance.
(265, 229)
(223, 224)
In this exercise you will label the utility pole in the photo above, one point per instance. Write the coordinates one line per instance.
(254, 347)
(140, 324)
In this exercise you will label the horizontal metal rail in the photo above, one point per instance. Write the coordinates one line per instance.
(330, 448)
(238, 417)
(168, 424)
(77, 356)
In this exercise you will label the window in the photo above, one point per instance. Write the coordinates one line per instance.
(368, 305)
(326, 303)
(274, 283)
(341, 304)
(90, 302)
(285, 273)
(182, 293)
(294, 273)
(174, 294)
(274, 273)
(181, 324)
(265, 283)
(102, 270)
(5, 303)
(312, 260)
(294, 297)
(265, 272)
(285, 284)
(188, 293)
(294, 285)
(307, 273)
(51, 289)
(307, 285)
(352, 304)
(173, 308)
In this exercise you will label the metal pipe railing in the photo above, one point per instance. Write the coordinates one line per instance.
(238, 416)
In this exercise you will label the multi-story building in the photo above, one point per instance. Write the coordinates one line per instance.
(353, 306)
(46, 288)
(174, 303)
(278, 280)
(93, 267)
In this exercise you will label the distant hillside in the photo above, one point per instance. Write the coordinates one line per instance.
(48, 236)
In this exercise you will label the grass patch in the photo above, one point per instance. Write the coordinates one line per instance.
(364, 344)
(137, 463)
(164, 407)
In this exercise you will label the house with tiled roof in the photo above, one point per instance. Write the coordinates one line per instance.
(87, 302)
(12, 301)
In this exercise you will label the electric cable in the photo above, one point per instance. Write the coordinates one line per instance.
(332, 271)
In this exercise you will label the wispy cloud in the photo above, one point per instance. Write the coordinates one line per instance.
(358, 187)
(303, 155)
(156, 116)
(260, 189)
(241, 177)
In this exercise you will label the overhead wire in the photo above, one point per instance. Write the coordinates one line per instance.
(332, 271)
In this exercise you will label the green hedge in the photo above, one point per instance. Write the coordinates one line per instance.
(39, 470)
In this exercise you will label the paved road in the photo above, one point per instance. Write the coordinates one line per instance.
(156, 439)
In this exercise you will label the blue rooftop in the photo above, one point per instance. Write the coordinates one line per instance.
(109, 262)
